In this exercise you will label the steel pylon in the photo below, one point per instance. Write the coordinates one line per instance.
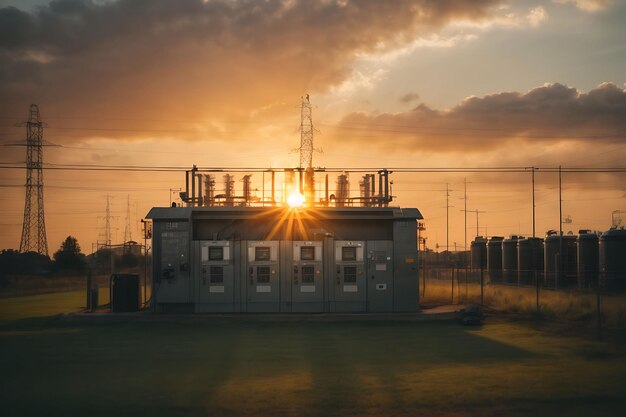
(34, 225)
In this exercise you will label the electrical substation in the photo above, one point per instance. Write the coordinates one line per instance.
(297, 248)
(229, 253)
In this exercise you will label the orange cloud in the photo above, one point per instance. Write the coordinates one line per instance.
(193, 60)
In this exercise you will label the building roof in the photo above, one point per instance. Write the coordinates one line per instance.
(329, 213)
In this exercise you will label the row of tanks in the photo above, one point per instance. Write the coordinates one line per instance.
(559, 260)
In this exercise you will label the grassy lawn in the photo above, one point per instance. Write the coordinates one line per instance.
(45, 305)
(222, 367)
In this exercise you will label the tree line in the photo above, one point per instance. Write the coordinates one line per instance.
(68, 259)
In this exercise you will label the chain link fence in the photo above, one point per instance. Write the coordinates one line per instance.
(600, 301)
(15, 285)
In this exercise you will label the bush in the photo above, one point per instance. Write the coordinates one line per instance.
(29, 263)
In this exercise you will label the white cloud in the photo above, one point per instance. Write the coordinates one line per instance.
(506, 19)
(359, 81)
(460, 31)
(588, 5)
(536, 16)
(433, 41)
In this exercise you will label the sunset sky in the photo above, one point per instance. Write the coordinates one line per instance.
(448, 83)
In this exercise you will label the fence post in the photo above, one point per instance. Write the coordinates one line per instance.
(466, 284)
(452, 281)
(424, 283)
(482, 299)
(537, 293)
(598, 308)
(557, 271)
(88, 305)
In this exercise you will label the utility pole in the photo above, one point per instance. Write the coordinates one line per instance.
(475, 211)
(447, 217)
(34, 224)
(533, 181)
(560, 275)
(128, 236)
(477, 234)
(465, 213)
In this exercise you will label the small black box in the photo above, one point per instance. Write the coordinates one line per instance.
(125, 295)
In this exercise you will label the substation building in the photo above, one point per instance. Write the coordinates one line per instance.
(293, 249)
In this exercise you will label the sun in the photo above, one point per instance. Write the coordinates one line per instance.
(295, 200)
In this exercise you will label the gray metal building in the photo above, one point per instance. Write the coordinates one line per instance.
(278, 259)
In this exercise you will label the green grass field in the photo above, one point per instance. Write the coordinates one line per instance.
(231, 366)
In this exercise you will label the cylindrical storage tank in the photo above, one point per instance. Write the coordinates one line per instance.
(478, 253)
(529, 259)
(494, 258)
(509, 259)
(551, 257)
(588, 257)
(613, 259)
(570, 265)
(560, 271)
(343, 190)
(125, 293)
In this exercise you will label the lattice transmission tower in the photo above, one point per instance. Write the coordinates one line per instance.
(107, 223)
(306, 148)
(128, 234)
(306, 133)
(34, 225)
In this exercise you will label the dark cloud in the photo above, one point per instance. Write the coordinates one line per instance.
(190, 59)
(545, 114)
(409, 98)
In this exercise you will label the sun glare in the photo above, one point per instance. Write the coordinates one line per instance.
(295, 200)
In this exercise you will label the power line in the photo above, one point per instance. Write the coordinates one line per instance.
(144, 119)
(420, 126)
(516, 169)
(505, 133)
(427, 130)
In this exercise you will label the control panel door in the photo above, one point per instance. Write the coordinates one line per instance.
(263, 274)
(308, 277)
(380, 276)
(174, 276)
(350, 284)
(217, 283)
